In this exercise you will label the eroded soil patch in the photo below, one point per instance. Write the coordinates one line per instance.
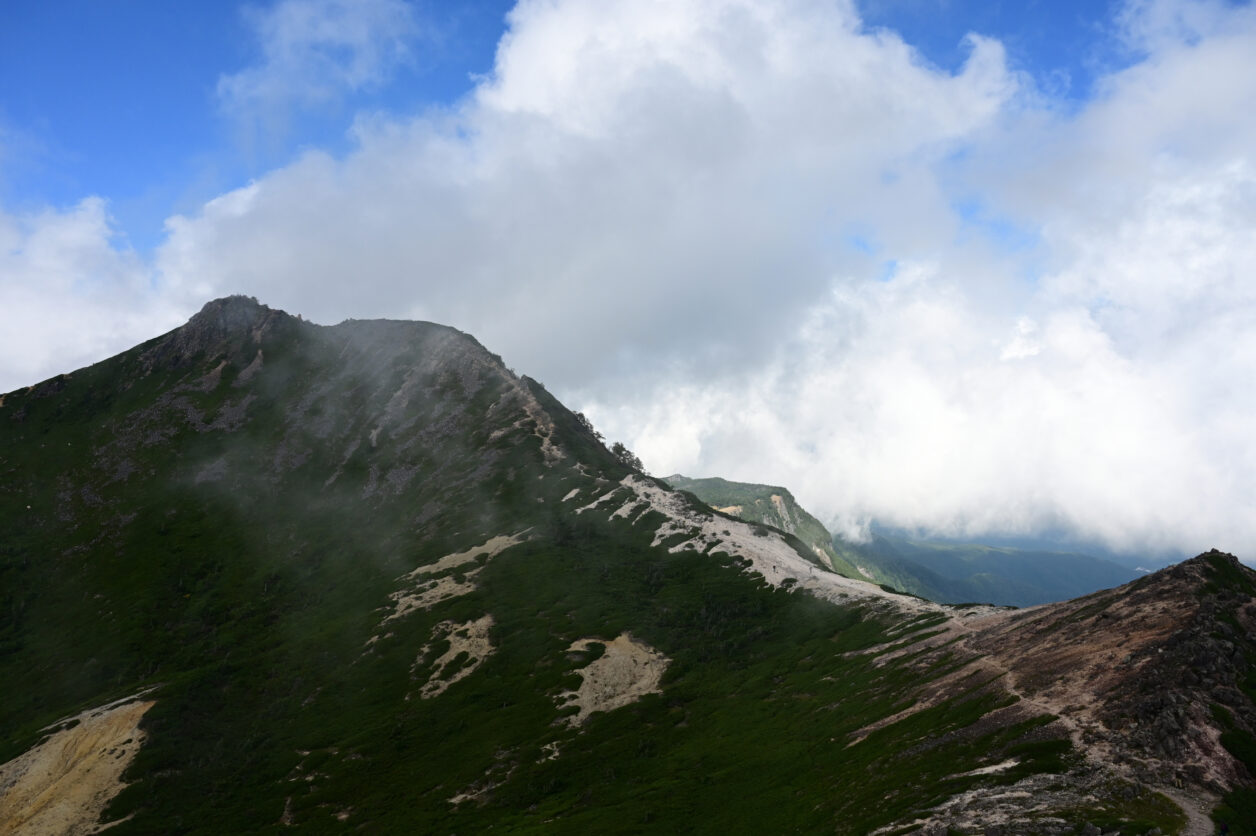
(470, 641)
(426, 590)
(627, 670)
(64, 784)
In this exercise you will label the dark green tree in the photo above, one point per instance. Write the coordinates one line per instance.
(619, 451)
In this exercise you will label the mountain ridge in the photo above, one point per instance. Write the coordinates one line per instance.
(949, 573)
(368, 577)
(768, 505)
(955, 572)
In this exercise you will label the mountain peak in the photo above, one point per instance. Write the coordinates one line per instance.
(231, 312)
(1211, 575)
(1139, 669)
(214, 330)
(230, 316)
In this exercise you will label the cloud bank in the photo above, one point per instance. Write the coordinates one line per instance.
(70, 295)
(763, 242)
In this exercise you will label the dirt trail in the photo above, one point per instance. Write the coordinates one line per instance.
(62, 786)
(1084, 662)
(1198, 822)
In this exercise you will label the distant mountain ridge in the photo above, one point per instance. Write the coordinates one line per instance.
(260, 574)
(954, 573)
(768, 505)
(949, 573)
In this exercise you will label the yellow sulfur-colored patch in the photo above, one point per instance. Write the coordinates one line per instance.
(62, 786)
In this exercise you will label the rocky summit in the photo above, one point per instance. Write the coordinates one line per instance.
(258, 574)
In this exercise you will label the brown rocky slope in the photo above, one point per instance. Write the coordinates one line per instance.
(1152, 681)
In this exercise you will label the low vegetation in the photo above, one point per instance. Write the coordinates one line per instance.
(224, 516)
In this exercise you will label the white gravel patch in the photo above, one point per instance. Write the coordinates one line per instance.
(426, 592)
(626, 671)
(769, 555)
(470, 638)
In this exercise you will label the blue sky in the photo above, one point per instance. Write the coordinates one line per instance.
(967, 268)
(1062, 43)
(120, 100)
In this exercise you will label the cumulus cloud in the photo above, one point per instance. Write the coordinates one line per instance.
(313, 53)
(1105, 393)
(638, 182)
(931, 412)
(761, 241)
(69, 296)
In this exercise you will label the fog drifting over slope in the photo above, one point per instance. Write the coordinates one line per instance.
(762, 242)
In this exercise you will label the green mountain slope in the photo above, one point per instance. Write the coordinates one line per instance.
(364, 577)
(767, 505)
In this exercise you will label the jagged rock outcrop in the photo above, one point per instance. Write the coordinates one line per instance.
(213, 330)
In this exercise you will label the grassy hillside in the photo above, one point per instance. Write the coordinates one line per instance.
(236, 514)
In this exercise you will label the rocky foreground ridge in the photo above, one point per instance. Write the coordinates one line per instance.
(1150, 682)
(364, 576)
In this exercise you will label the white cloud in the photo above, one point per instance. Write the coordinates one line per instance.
(314, 52)
(742, 237)
(1154, 26)
(1100, 385)
(644, 183)
(917, 416)
(68, 297)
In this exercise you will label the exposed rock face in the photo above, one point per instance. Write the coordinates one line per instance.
(768, 505)
(1136, 670)
(685, 525)
(210, 331)
(1133, 676)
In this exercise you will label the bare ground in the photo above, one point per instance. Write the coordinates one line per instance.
(62, 786)
(1129, 675)
(426, 591)
(627, 670)
(765, 551)
(470, 638)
